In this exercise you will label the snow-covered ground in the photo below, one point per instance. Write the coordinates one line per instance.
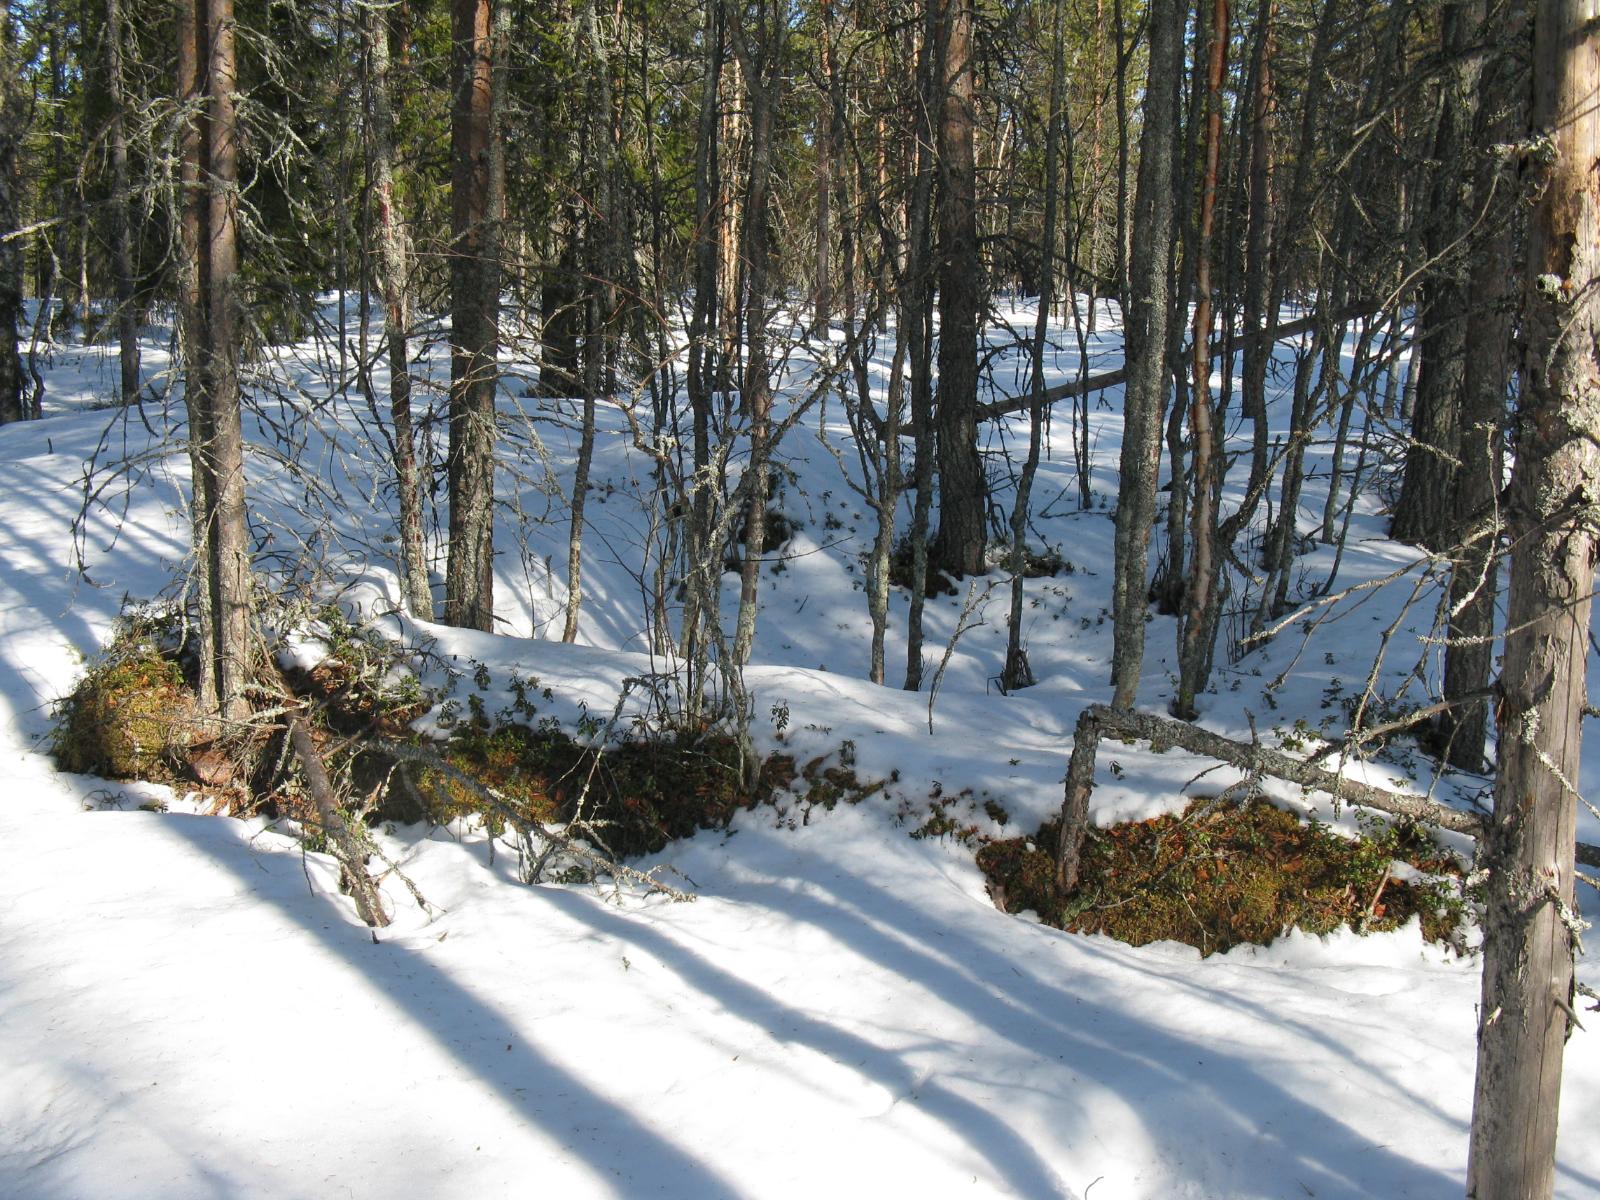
(188, 1007)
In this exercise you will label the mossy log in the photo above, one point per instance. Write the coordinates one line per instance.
(1099, 721)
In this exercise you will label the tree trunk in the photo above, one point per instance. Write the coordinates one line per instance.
(755, 393)
(1469, 654)
(1258, 322)
(1423, 512)
(702, 566)
(1194, 650)
(228, 526)
(475, 305)
(822, 306)
(1017, 673)
(1530, 931)
(192, 270)
(963, 508)
(394, 283)
(12, 131)
(1146, 331)
(121, 205)
(596, 147)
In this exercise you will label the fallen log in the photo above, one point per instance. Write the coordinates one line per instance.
(1100, 721)
(1113, 378)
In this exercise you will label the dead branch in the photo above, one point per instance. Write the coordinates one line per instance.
(1119, 376)
(1099, 721)
(538, 841)
(344, 843)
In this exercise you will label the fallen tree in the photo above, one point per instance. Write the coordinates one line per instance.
(1101, 721)
(1115, 378)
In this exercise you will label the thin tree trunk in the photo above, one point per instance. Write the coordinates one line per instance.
(1017, 673)
(228, 529)
(1258, 322)
(394, 283)
(1530, 929)
(822, 308)
(1469, 654)
(192, 335)
(596, 147)
(12, 132)
(1194, 656)
(702, 566)
(756, 392)
(1146, 318)
(121, 204)
(917, 313)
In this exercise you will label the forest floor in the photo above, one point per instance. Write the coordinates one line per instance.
(189, 1007)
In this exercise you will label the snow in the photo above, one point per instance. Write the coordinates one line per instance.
(189, 1008)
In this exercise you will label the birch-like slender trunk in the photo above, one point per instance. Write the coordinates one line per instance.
(121, 204)
(394, 285)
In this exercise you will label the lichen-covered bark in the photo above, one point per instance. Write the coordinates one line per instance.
(1554, 504)
(474, 319)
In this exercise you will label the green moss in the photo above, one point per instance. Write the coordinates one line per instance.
(1221, 874)
(132, 716)
(636, 796)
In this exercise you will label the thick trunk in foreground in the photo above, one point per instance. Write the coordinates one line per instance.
(474, 320)
(1146, 325)
(1529, 927)
(959, 546)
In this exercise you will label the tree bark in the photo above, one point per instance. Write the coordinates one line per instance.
(475, 308)
(1258, 289)
(1423, 512)
(1530, 933)
(1195, 644)
(394, 284)
(756, 58)
(1017, 673)
(212, 306)
(12, 131)
(121, 206)
(1146, 339)
(1486, 384)
(963, 509)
